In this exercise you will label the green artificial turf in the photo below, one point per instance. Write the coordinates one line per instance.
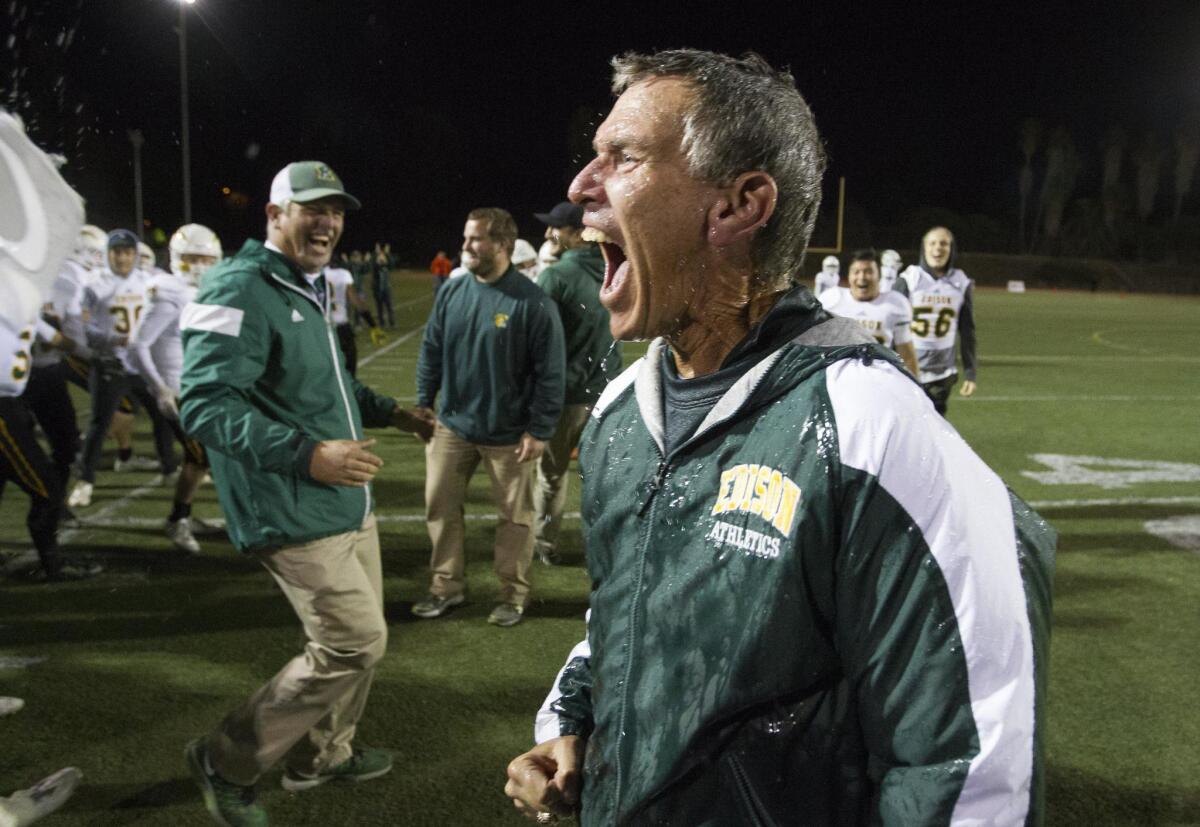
(155, 651)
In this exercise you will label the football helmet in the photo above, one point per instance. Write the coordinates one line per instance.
(193, 240)
(91, 247)
(146, 259)
(890, 258)
(830, 264)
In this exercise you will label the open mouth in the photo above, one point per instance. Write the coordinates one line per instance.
(616, 266)
(320, 243)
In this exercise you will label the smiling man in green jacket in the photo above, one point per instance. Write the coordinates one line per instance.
(811, 602)
(266, 390)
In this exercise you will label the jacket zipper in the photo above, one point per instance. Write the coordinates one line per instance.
(336, 372)
(631, 636)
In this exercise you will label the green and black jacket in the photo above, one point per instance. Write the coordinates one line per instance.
(821, 609)
(263, 382)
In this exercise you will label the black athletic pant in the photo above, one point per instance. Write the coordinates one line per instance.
(108, 383)
(47, 398)
(345, 334)
(939, 392)
(23, 461)
(383, 298)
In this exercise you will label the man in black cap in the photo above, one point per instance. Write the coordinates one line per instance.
(573, 282)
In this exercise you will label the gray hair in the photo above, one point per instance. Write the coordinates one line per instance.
(746, 116)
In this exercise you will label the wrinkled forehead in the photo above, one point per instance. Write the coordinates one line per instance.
(649, 114)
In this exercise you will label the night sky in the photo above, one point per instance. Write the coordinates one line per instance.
(427, 110)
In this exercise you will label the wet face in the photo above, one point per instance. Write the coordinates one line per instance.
(307, 233)
(864, 280)
(481, 254)
(937, 244)
(122, 259)
(651, 213)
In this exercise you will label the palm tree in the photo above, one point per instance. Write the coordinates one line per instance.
(1115, 143)
(1031, 138)
(1187, 153)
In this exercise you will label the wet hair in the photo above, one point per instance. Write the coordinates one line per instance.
(865, 254)
(501, 227)
(746, 116)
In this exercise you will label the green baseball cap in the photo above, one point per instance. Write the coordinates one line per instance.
(305, 181)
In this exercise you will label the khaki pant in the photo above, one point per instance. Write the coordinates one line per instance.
(309, 710)
(553, 482)
(449, 463)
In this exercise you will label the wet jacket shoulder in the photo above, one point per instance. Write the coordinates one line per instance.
(821, 609)
(263, 383)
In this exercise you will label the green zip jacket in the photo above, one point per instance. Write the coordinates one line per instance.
(263, 382)
(492, 357)
(593, 359)
(821, 609)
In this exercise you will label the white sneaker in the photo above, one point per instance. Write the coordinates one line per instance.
(10, 706)
(135, 463)
(167, 479)
(27, 806)
(81, 495)
(181, 536)
(205, 528)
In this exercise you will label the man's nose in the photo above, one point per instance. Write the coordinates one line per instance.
(587, 186)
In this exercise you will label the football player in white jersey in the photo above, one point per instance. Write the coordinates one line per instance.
(886, 316)
(156, 352)
(829, 277)
(148, 262)
(42, 216)
(342, 296)
(943, 315)
(112, 310)
(890, 266)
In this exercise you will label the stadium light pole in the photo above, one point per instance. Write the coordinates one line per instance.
(186, 142)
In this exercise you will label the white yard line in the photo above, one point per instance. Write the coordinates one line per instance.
(1082, 357)
(1077, 398)
(1102, 502)
(389, 347)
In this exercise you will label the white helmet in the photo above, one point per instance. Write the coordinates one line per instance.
(146, 259)
(831, 265)
(91, 248)
(193, 240)
(890, 258)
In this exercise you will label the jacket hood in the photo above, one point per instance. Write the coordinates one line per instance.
(796, 327)
(951, 263)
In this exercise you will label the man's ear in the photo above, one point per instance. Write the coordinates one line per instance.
(743, 207)
(273, 211)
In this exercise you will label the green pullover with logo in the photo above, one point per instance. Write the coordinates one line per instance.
(492, 357)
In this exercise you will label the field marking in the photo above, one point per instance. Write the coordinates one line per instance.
(1181, 532)
(151, 522)
(1067, 469)
(1098, 338)
(1108, 502)
(1075, 359)
(389, 347)
(1049, 397)
(71, 534)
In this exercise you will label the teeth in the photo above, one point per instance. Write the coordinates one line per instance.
(592, 234)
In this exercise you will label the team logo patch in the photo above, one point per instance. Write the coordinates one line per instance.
(761, 491)
(324, 173)
(501, 320)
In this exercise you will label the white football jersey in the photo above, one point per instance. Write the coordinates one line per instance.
(825, 281)
(936, 305)
(336, 282)
(62, 308)
(156, 350)
(16, 359)
(112, 311)
(886, 317)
